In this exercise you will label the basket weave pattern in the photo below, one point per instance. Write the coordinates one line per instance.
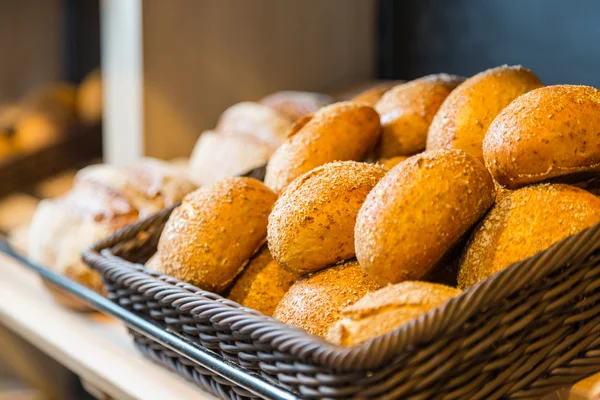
(528, 330)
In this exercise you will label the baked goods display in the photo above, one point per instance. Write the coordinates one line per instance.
(407, 110)
(311, 225)
(340, 132)
(314, 302)
(546, 133)
(386, 309)
(464, 117)
(418, 211)
(209, 239)
(103, 199)
(524, 222)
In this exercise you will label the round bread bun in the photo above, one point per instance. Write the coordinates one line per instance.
(216, 156)
(35, 131)
(209, 238)
(524, 222)
(262, 285)
(546, 133)
(418, 211)
(371, 96)
(384, 310)
(255, 120)
(464, 117)
(57, 100)
(339, 132)
(295, 104)
(390, 163)
(89, 98)
(407, 110)
(314, 302)
(311, 226)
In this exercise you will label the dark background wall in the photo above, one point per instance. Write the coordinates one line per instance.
(557, 39)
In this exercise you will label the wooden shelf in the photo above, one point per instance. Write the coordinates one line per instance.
(95, 347)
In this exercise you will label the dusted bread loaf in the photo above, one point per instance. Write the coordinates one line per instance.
(546, 133)
(524, 222)
(339, 132)
(382, 311)
(209, 239)
(464, 117)
(312, 223)
(418, 211)
(315, 301)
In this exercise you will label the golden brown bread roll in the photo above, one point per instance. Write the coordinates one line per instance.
(209, 238)
(35, 131)
(312, 223)
(262, 284)
(339, 132)
(390, 163)
(89, 98)
(546, 133)
(524, 222)
(464, 117)
(407, 110)
(55, 100)
(372, 95)
(418, 211)
(295, 104)
(315, 301)
(384, 310)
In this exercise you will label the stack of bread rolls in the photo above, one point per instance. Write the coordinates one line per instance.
(368, 203)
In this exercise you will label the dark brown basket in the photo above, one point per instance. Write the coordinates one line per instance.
(528, 330)
(79, 145)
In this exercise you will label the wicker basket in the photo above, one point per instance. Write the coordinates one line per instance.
(79, 145)
(528, 330)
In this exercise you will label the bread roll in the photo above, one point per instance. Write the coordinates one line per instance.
(255, 120)
(315, 301)
(407, 110)
(464, 117)
(209, 239)
(418, 211)
(312, 223)
(294, 104)
(35, 131)
(339, 132)
(371, 96)
(384, 310)
(89, 98)
(55, 100)
(524, 222)
(262, 284)
(217, 156)
(546, 133)
(103, 199)
(390, 163)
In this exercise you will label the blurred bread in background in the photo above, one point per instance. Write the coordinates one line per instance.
(89, 98)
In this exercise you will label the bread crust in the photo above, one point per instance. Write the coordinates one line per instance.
(311, 226)
(384, 310)
(465, 115)
(522, 223)
(546, 133)
(339, 132)
(209, 238)
(418, 211)
(314, 302)
(407, 110)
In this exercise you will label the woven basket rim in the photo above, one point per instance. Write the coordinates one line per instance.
(371, 354)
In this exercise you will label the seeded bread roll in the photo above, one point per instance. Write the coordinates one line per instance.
(464, 117)
(314, 302)
(339, 132)
(418, 211)
(262, 284)
(407, 110)
(209, 238)
(546, 133)
(524, 222)
(295, 104)
(312, 223)
(390, 163)
(384, 310)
